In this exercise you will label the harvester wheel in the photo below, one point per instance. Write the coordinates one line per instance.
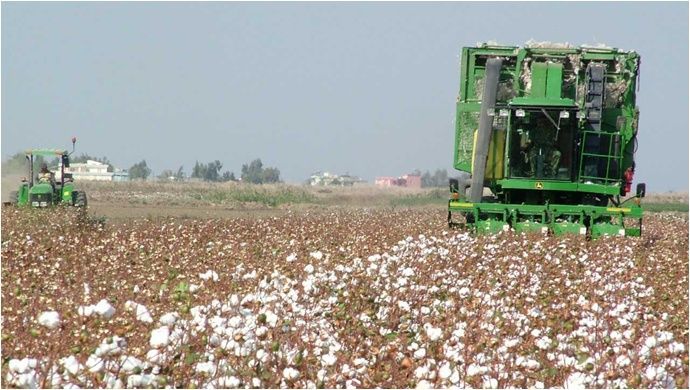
(80, 199)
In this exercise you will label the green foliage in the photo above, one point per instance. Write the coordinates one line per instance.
(254, 194)
(18, 163)
(659, 207)
(211, 172)
(139, 171)
(438, 179)
(167, 174)
(255, 173)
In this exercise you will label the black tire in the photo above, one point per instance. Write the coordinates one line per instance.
(14, 198)
(80, 199)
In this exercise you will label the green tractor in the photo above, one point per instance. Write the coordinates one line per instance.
(551, 130)
(42, 189)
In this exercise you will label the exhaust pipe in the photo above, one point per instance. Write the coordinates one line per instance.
(481, 149)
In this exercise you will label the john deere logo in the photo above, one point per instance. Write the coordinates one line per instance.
(539, 185)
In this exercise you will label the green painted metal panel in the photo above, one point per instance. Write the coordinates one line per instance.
(608, 229)
(539, 70)
(530, 227)
(545, 101)
(554, 80)
(491, 226)
(566, 227)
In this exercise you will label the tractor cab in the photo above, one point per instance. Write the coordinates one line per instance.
(47, 187)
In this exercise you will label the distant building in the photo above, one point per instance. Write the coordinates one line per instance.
(95, 171)
(407, 181)
(330, 179)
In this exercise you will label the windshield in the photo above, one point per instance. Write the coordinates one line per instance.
(541, 143)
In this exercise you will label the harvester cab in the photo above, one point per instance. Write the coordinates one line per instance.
(551, 130)
(45, 188)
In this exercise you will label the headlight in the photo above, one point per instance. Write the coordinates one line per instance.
(520, 113)
(35, 204)
(44, 204)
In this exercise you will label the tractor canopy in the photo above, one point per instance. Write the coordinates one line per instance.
(46, 152)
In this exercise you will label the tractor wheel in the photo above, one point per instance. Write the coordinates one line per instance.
(14, 198)
(80, 199)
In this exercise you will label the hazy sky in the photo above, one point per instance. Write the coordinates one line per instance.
(367, 89)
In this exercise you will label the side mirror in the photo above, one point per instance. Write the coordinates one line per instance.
(641, 190)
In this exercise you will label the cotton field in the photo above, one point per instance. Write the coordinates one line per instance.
(353, 298)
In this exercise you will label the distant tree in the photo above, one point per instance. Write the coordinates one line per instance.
(139, 171)
(199, 170)
(166, 174)
(179, 175)
(18, 163)
(213, 171)
(254, 172)
(426, 179)
(228, 176)
(438, 179)
(271, 175)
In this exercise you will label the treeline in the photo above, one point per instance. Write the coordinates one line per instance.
(253, 172)
(438, 179)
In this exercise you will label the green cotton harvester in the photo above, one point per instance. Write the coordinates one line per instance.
(551, 130)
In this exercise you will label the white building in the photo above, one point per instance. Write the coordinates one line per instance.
(95, 170)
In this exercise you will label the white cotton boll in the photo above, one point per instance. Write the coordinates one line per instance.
(71, 364)
(136, 289)
(650, 342)
(676, 347)
(290, 373)
(489, 383)
(292, 257)
(309, 269)
(256, 383)
(445, 371)
(94, 364)
(543, 342)
(155, 356)
(622, 360)
(576, 380)
(143, 314)
(509, 343)
(129, 364)
(408, 272)
(160, 337)
(104, 309)
(140, 381)
(86, 311)
(464, 292)
(423, 384)
(317, 255)
(475, 369)
(425, 310)
(420, 353)
(206, 367)
(328, 359)
(260, 331)
(209, 274)
(664, 336)
(228, 382)
(271, 318)
(21, 366)
(169, 319)
(421, 372)
(432, 333)
(404, 306)
(49, 319)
